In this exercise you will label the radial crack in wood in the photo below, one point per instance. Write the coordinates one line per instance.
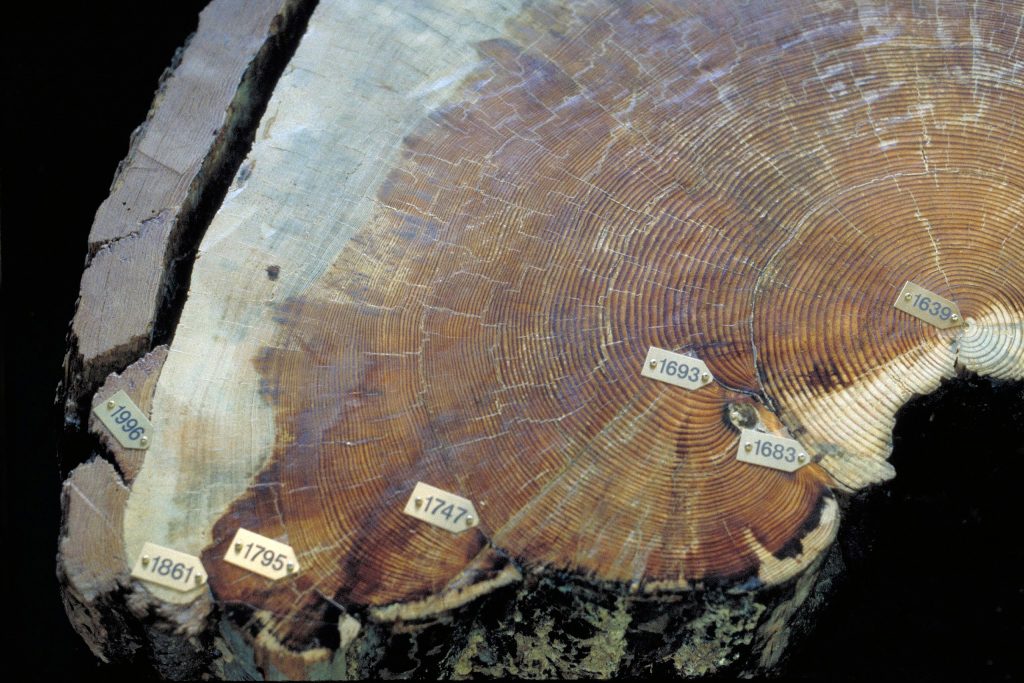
(458, 233)
(178, 160)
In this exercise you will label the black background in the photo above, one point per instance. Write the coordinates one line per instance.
(77, 80)
(934, 581)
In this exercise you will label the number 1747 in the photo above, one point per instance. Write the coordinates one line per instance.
(445, 508)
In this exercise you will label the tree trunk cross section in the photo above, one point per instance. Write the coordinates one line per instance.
(460, 228)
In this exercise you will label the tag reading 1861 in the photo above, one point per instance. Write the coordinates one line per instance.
(261, 555)
(125, 420)
(928, 306)
(440, 508)
(169, 568)
(769, 450)
(676, 368)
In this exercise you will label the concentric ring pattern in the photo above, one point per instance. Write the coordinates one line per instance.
(749, 184)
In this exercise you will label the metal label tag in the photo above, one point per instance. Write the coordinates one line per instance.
(769, 450)
(440, 508)
(261, 555)
(928, 306)
(169, 568)
(125, 420)
(676, 368)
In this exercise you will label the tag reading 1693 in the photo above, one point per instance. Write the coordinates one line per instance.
(675, 368)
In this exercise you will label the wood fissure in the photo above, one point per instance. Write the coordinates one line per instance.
(160, 249)
(150, 254)
(457, 231)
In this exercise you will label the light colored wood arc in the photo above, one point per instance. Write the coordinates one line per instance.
(730, 182)
(320, 152)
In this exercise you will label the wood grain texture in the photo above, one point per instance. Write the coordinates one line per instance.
(92, 565)
(458, 231)
(141, 231)
(138, 381)
(756, 202)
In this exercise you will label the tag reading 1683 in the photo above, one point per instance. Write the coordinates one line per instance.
(770, 450)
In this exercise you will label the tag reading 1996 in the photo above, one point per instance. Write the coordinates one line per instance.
(676, 368)
(769, 450)
(126, 422)
(928, 306)
(440, 508)
(169, 568)
(261, 555)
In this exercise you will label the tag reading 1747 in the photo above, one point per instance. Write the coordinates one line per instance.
(441, 508)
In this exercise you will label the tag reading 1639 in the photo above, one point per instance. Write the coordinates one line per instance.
(928, 306)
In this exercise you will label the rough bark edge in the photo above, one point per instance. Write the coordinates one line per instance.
(139, 381)
(120, 620)
(236, 131)
(270, 657)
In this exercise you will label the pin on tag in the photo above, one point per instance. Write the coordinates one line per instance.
(169, 568)
(676, 368)
(928, 306)
(261, 555)
(769, 450)
(441, 508)
(125, 420)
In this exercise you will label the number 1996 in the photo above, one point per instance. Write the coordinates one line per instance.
(125, 420)
(129, 424)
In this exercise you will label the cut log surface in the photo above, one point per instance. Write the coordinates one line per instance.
(459, 230)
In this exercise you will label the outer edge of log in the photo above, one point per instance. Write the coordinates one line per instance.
(479, 578)
(146, 228)
(139, 381)
(90, 563)
(243, 655)
(109, 609)
(151, 259)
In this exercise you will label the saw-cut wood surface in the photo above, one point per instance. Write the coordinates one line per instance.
(459, 230)
(178, 156)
